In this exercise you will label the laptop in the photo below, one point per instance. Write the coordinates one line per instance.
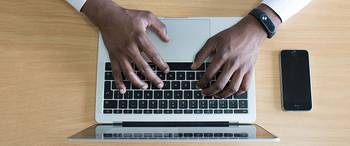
(178, 111)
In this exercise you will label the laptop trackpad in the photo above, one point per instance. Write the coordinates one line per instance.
(187, 37)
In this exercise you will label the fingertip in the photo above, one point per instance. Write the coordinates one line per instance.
(122, 91)
(194, 66)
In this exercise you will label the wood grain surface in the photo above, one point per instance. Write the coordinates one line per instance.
(48, 55)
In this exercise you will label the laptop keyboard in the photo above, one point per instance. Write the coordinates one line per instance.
(179, 94)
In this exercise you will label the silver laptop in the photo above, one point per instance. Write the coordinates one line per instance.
(178, 110)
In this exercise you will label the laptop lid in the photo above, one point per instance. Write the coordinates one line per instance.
(238, 132)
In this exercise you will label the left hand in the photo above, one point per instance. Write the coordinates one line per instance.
(235, 51)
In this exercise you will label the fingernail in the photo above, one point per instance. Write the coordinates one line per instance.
(122, 91)
(160, 85)
(144, 87)
(167, 70)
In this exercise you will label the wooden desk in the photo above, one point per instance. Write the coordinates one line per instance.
(48, 70)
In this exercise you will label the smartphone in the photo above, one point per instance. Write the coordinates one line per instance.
(296, 84)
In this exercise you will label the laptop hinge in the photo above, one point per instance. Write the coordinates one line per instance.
(177, 124)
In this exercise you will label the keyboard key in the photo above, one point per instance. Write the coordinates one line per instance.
(199, 75)
(107, 85)
(128, 94)
(229, 97)
(188, 94)
(182, 103)
(208, 97)
(108, 94)
(107, 111)
(198, 134)
(168, 94)
(138, 94)
(147, 94)
(161, 75)
(158, 94)
(240, 135)
(166, 85)
(218, 134)
(168, 111)
(223, 104)
(185, 85)
(175, 85)
(170, 76)
(208, 134)
(127, 111)
(188, 134)
(243, 103)
(109, 76)
(140, 75)
(208, 111)
(108, 66)
(213, 104)
(123, 104)
(190, 76)
(113, 85)
(218, 111)
(152, 104)
(180, 66)
(157, 111)
(152, 66)
(242, 96)
(188, 111)
(127, 84)
(110, 104)
(180, 76)
(132, 103)
(177, 94)
(147, 111)
(193, 84)
(241, 111)
(203, 104)
(163, 104)
(198, 111)
(229, 111)
(197, 95)
(232, 104)
(193, 104)
(117, 111)
(142, 103)
(172, 103)
(137, 111)
(178, 111)
(228, 134)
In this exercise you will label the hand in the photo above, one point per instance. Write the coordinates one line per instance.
(124, 34)
(235, 51)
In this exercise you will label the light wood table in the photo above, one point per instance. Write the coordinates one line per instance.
(48, 56)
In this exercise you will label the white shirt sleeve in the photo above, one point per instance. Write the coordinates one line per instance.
(77, 4)
(286, 8)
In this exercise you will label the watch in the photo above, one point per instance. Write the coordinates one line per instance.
(265, 21)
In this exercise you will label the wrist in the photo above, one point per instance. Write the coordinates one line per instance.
(254, 26)
(98, 11)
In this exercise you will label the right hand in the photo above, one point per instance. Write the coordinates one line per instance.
(124, 34)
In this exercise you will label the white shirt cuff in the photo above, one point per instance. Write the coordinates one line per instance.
(77, 4)
(286, 8)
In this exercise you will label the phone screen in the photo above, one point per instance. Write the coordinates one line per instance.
(296, 88)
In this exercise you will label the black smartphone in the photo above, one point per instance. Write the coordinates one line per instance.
(296, 84)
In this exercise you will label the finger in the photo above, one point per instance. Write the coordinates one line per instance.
(213, 69)
(159, 28)
(203, 53)
(221, 82)
(245, 83)
(233, 85)
(130, 74)
(147, 71)
(117, 74)
(146, 45)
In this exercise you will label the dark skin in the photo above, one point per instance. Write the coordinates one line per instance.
(234, 50)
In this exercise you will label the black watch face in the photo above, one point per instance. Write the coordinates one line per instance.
(268, 23)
